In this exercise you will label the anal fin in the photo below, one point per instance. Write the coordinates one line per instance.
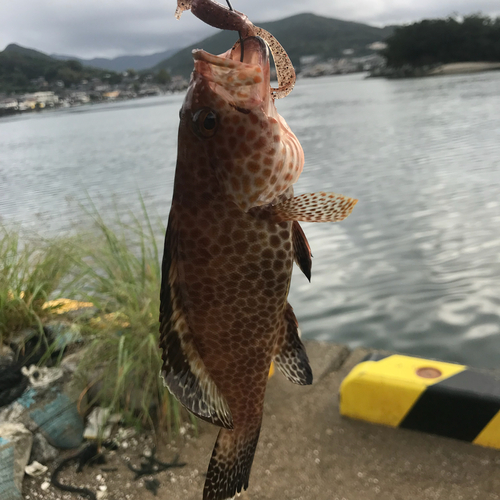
(301, 250)
(292, 360)
(185, 375)
(315, 207)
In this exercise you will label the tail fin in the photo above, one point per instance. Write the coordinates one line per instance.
(229, 468)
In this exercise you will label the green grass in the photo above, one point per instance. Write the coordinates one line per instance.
(116, 267)
(120, 274)
(30, 272)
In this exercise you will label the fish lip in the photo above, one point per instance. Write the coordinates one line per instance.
(255, 51)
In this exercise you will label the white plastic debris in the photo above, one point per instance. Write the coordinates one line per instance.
(100, 423)
(35, 469)
(41, 376)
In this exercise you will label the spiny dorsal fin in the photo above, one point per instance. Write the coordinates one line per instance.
(183, 370)
(292, 360)
(315, 207)
(301, 250)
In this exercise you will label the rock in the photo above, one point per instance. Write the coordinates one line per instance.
(71, 362)
(7, 355)
(15, 447)
(35, 469)
(45, 485)
(42, 451)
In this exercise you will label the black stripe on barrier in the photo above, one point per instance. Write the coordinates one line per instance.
(458, 407)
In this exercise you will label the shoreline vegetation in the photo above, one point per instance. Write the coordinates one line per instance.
(458, 68)
(448, 46)
(112, 273)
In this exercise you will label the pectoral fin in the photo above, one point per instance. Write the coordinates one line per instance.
(315, 207)
(183, 370)
(292, 359)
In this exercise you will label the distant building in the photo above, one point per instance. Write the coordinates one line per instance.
(39, 82)
(10, 103)
(307, 60)
(377, 46)
(79, 97)
(42, 99)
(114, 94)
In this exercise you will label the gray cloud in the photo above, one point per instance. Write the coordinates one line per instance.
(89, 28)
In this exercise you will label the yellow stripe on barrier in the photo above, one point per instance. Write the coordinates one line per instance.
(490, 435)
(426, 395)
(384, 391)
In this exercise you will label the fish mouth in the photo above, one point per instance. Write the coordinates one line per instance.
(247, 76)
(255, 52)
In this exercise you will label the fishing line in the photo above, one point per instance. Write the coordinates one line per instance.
(239, 33)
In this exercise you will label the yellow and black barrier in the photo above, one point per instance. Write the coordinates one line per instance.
(420, 394)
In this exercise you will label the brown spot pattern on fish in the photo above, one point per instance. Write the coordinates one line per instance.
(229, 468)
(231, 241)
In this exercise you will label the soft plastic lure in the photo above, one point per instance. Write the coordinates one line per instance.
(218, 16)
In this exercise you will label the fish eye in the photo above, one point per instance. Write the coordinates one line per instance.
(205, 122)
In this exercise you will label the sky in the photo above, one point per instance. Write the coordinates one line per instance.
(110, 28)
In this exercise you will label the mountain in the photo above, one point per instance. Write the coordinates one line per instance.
(13, 48)
(122, 63)
(24, 70)
(300, 35)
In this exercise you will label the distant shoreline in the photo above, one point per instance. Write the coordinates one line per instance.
(459, 68)
(463, 68)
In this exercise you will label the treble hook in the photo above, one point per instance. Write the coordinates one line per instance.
(239, 33)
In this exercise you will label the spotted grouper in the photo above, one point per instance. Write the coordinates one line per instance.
(232, 237)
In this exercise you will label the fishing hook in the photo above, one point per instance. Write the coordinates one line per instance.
(239, 33)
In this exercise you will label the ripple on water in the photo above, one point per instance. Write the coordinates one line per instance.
(415, 268)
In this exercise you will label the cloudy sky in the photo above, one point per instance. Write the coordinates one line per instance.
(109, 28)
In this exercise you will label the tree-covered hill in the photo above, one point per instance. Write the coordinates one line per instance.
(300, 35)
(19, 67)
(441, 41)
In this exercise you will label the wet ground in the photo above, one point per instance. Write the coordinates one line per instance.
(307, 451)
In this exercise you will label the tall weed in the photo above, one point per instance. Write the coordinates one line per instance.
(120, 274)
(30, 272)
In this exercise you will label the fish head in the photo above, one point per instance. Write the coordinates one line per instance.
(230, 113)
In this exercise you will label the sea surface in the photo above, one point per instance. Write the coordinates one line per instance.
(415, 268)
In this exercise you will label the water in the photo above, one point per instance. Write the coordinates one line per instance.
(415, 268)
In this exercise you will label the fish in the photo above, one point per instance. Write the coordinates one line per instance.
(232, 237)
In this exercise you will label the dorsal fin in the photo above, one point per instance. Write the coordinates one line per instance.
(301, 250)
(183, 370)
(292, 359)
